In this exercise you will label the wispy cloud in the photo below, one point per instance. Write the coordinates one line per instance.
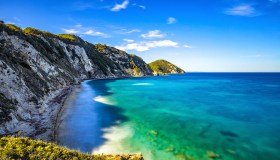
(81, 30)
(140, 6)
(242, 10)
(171, 20)
(70, 31)
(121, 6)
(17, 19)
(255, 56)
(147, 45)
(275, 1)
(127, 31)
(10, 22)
(128, 40)
(14, 20)
(153, 34)
(80, 5)
(187, 46)
(95, 33)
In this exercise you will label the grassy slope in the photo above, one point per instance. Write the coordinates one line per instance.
(25, 148)
(164, 67)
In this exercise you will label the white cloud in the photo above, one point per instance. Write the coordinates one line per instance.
(119, 7)
(130, 31)
(274, 1)
(153, 34)
(171, 20)
(70, 31)
(128, 40)
(17, 19)
(80, 30)
(10, 22)
(147, 45)
(187, 46)
(140, 6)
(242, 10)
(78, 25)
(94, 33)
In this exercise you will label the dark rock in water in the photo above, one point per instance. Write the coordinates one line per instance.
(212, 155)
(228, 134)
(205, 130)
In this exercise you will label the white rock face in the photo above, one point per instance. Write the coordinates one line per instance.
(36, 74)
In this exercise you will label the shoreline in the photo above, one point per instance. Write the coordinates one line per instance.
(68, 100)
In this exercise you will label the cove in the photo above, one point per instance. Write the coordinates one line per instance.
(191, 116)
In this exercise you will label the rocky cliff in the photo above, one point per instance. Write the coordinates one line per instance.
(37, 68)
(163, 67)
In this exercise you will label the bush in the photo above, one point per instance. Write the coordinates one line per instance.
(14, 27)
(34, 31)
(25, 148)
(100, 47)
(69, 37)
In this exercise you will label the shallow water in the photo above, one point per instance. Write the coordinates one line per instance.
(232, 115)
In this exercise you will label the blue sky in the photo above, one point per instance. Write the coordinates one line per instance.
(200, 35)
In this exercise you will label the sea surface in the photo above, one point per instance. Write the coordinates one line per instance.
(200, 116)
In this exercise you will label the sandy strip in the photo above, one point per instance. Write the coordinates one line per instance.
(66, 103)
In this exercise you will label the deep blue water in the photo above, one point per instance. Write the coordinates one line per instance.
(232, 115)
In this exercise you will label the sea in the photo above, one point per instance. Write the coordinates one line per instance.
(193, 116)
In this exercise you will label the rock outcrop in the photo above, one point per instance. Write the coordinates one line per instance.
(37, 68)
(163, 67)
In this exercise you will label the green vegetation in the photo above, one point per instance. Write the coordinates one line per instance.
(14, 27)
(69, 37)
(36, 32)
(100, 47)
(161, 67)
(135, 67)
(1, 22)
(25, 148)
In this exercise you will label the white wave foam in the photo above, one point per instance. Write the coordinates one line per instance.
(115, 136)
(103, 100)
(142, 84)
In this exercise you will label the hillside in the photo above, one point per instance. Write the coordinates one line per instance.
(162, 67)
(25, 148)
(37, 69)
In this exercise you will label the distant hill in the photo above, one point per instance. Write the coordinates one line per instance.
(162, 67)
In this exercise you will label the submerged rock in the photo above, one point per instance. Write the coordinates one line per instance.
(154, 132)
(212, 155)
(228, 134)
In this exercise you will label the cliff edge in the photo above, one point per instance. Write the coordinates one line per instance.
(37, 68)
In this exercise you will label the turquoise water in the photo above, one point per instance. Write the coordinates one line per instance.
(192, 116)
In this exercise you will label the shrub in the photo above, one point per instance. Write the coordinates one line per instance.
(69, 37)
(100, 47)
(13, 27)
(34, 31)
(25, 148)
